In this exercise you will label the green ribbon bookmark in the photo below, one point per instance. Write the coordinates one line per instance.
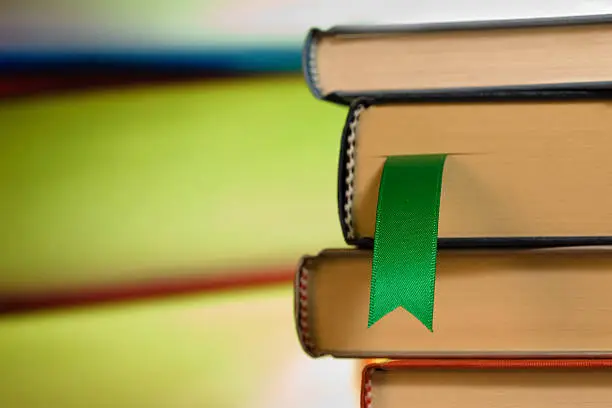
(406, 237)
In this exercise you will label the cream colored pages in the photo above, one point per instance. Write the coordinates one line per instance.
(432, 388)
(409, 61)
(514, 169)
(512, 302)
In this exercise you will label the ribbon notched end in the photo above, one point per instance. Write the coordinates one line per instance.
(423, 315)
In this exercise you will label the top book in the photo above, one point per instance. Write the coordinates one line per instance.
(563, 53)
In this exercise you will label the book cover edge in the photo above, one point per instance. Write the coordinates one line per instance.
(469, 25)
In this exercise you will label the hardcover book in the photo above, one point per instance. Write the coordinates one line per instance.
(561, 53)
(519, 173)
(537, 302)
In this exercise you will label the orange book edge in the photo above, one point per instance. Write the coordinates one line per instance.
(476, 364)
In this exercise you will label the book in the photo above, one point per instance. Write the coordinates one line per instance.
(346, 62)
(521, 172)
(525, 383)
(537, 302)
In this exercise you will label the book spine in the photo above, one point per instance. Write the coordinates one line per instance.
(346, 173)
(301, 308)
(474, 364)
(366, 384)
(309, 62)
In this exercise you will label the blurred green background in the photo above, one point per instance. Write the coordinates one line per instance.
(117, 185)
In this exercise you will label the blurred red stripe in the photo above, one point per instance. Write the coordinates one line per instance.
(28, 84)
(25, 85)
(158, 288)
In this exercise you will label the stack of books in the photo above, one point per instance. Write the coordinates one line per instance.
(523, 252)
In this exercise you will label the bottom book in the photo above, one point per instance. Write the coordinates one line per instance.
(463, 383)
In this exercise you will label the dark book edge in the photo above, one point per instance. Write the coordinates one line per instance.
(471, 25)
(580, 90)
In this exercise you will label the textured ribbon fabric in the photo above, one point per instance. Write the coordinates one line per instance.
(406, 237)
